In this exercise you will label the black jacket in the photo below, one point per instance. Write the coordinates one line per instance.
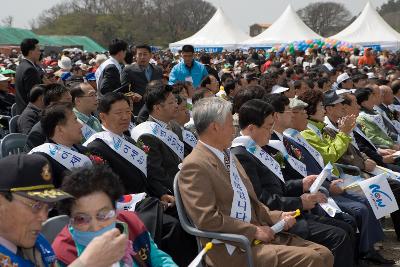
(36, 137)
(132, 178)
(29, 117)
(162, 163)
(109, 80)
(26, 77)
(133, 75)
(270, 190)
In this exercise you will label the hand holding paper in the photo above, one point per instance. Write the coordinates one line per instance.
(326, 172)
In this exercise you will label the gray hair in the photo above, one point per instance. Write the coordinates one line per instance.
(208, 110)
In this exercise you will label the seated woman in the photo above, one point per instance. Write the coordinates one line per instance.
(93, 212)
(331, 149)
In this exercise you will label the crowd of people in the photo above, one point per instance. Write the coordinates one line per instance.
(245, 134)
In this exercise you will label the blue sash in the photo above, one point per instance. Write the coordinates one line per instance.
(48, 257)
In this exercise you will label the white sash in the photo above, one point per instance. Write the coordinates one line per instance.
(109, 61)
(65, 156)
(315, 129)
(131, 126)
(394, 123)
(358, 130)
(297, 138)
(260, 154)
(329, 124)
(394, 107)
(376, 119)
(297, 165)
(166, 136)
(128, 151)
(87, 131)
(189, 138)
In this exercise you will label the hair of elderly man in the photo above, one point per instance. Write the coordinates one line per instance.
(209, 110)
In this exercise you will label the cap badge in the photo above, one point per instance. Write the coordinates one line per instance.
(46, 175)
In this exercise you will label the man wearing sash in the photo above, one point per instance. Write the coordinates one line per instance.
(108, 75)
(382, 107)
(62, 149)
(27, 194)
(219, 197)
(256, 119)
(128, 159)
(182, 117)
(163, 136)
(85, 104)
(371, 123)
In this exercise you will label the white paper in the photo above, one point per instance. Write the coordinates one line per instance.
(189, 79)
(390, 174)
(330, 207)
(379, 195)
(321, 178)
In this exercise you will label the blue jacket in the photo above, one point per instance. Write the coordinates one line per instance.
(180, 72)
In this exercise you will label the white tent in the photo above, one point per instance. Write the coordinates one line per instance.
(218, 34)
(286, 29)
(370, 30)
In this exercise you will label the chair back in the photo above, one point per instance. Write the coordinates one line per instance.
(14, 110)
(13, 124)
(13, 143)
(53, 226)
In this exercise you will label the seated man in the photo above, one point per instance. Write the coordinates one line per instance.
(26, 196)
(256, 119)
(31, 114)
(382, 107)
(85, 104)
(372, 123)
(182, 117)
(206, 188)
(163, 137)
(96, 191)
(62, 149)
(53, 93)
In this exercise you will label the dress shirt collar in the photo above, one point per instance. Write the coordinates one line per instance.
(163, 124)
(280, 136)
(8, 245)
(216, 152)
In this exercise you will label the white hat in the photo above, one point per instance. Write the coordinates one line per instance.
(371, 75)
(328, 66)
(100, 58)
(345, 91)
(4, 78)
(351, 66)
(65, 63)
(342, 77)
(277, 89)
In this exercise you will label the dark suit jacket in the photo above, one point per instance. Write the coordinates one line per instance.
(29, 117)
(26, 77)
(212, 71)
(134, 76)
(391, 130)
(58, 170)
(6, 102)
(269, 189)
(162, 163)
(396, 101)
(36, 137)
(109, 80)
(132, 178)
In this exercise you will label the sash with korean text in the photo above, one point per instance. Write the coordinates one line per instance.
(65, 156)
(376, 119)
(394, 123)
(109, 61)
(260, 154)
(87, 131)
(166, 136)
(125, 149)
(189, 138)
(330, 125)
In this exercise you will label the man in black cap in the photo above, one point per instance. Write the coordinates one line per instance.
(26, 196)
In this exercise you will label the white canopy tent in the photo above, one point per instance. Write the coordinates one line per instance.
(218, 34)
(286, 29)
(370, 30)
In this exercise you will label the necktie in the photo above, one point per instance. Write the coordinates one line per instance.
(227, 159)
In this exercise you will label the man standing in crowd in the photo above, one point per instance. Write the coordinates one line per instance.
(31, 114)
(188, 70)
(139, 74)
(108, 75)
(27, 74)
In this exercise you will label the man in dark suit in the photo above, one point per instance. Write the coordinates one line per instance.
(256, 119)
(53, 93)
(63, 133)
(139, 74)
(27, 74)
(396, 92)
(31, 114)
(162, 160)
(206, 61)
(108, 75)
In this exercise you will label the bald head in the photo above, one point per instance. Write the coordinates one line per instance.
(386, 94)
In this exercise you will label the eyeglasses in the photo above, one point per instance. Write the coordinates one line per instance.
(101, 216)
(36, 206)
(299, 112)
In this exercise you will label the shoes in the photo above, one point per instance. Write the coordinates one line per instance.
(376, 258)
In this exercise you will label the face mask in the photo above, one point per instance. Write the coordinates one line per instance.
(84, 238)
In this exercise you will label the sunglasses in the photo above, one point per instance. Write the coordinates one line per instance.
(84, 219)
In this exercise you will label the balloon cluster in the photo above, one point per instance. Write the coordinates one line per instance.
(308, 45)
